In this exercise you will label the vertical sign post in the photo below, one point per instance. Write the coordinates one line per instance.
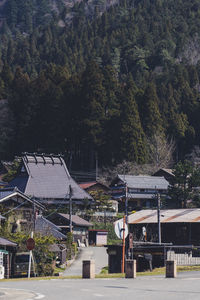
(30, 244)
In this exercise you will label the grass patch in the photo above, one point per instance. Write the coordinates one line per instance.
(188, 268)
(58, 270)
(104, 274)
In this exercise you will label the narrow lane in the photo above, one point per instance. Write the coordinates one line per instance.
(99, 254)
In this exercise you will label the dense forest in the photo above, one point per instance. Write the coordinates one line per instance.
(99, 78)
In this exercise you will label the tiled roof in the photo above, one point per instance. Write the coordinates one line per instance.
(45, 227)
(144, 182)
(6, 192)
(12, 193)
(76, 220)
(188, 215)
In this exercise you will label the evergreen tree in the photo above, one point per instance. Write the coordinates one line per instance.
(132, 135)
(151, 117)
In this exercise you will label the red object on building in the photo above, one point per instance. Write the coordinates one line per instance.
(30, 244)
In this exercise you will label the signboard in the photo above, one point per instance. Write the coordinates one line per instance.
(1, 258)
(119, 229)
(30, 244)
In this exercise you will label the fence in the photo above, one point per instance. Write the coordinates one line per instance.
(183, 255)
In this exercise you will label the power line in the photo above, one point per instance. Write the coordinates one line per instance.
(15, 208)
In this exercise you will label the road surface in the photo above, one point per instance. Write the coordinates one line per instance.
(185, 287)
(99, 254)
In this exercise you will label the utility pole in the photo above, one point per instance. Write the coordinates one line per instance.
(97, 166)
(123, 245)
(70, 208)
(126, 203)
(158, 213)
(125, 222)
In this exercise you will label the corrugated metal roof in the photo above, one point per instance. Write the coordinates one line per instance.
(144, 182)
(188, 215)
(50, 179)
(76, 220)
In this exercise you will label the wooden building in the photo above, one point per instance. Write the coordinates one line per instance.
(19, 209)
(178, 226)
(46, 179)
(79, 226)
(141, 190)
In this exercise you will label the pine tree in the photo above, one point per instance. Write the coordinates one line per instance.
(152, 121)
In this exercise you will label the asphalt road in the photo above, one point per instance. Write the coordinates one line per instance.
(185, 287)
(99, 254)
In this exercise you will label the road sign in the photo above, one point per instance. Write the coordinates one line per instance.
(30, 244)
(119, 229)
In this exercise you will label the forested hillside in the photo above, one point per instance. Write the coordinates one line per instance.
(99, 77)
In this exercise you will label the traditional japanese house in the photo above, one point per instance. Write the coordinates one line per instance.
(80, 226)
(46, 179)
(19, 209)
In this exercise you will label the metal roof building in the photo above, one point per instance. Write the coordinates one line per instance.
(178, 226)
(46, 178)
(141, 190)
(188, 215)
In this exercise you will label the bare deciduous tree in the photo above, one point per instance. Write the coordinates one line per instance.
(161, 151)
(160, 156)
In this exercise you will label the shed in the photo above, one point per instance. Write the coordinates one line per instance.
(98, 237)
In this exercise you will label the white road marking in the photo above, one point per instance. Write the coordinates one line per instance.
(85, 290)
(98, 295)
(36, 296)
(39, 296)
